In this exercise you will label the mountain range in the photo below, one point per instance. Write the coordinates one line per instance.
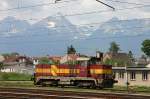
(52, 35)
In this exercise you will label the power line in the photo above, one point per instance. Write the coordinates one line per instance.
(106, 4)
(75, 25)
(32, 6)
(92, 12)
(47, 4)
(126, 2)
(95, 12)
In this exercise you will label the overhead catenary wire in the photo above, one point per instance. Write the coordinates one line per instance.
(102, 11)
(47, 4)
(89, 12)
(33, 6)
(106, 4)
(131, 3)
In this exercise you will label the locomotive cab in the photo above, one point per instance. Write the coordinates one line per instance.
(102, 73)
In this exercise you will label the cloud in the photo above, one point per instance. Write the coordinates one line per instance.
(72, 7)
(4, 4)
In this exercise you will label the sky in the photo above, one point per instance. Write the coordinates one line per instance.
(77, 11)
(69, 7)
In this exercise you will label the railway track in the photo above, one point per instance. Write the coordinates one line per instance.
(20, 93)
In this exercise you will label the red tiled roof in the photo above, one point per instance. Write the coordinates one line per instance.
(55, 58)
(10, 59)
(73, 56)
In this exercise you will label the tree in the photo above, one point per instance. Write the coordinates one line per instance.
(14, 54)
(71, 50)
(114, 47)
(146, 47)
(130, 54)
(45, 60)
(10, 54)
(116, 62)
(1, 66)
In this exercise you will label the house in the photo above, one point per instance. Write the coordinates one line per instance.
(35, 60)
(135, 76)
(2, 58)
(55, 59)
(18, 64)
(142, 61)
(69, 57)
(119, 58)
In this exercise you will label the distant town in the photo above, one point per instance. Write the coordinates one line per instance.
(138, 68)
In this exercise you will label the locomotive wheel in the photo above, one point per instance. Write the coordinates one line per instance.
(100, 87)
(93, 86)
(43, 85)
(62, 86)
(79, 85)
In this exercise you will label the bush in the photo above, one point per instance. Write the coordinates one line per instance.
(14, 76)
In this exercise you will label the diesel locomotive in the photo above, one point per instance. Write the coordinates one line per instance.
(88, 73)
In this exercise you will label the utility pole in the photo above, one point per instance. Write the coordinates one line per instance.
(127, 82)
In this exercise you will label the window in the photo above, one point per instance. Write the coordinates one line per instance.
(132, 76)
(144, 75)
(121, 75)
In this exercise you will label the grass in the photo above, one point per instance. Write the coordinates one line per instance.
(131, 89)
(120, 89)
(23, 81)
(16, 84)
(14, 77)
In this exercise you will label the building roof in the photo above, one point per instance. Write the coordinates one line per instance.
(10, 59)
(131, 68)
(83, 58)
(148, 65)
(55, 58)
(16, 59)
(141, 61)
(69, 57)
(72, 56)
(118, 55)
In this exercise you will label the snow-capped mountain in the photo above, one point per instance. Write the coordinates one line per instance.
(129, 34)
(116, 27)
(53, 34)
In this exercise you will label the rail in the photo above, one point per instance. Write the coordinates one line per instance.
(18, 93)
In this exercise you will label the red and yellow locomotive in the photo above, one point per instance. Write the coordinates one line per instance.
(83, 74)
